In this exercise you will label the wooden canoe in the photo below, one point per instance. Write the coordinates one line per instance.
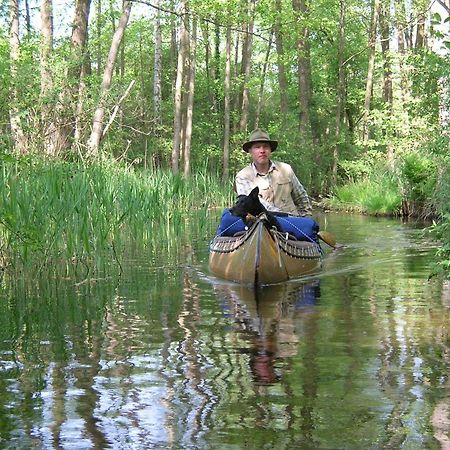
(262, 256)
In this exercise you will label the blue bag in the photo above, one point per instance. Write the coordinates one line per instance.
(229, 224)
(303, 228)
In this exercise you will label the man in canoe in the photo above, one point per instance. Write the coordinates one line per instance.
(279, 188)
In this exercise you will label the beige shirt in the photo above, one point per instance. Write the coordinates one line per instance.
(279, 189)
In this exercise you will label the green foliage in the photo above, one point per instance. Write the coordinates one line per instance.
(377, 196)
(419, 173)
(60, 211)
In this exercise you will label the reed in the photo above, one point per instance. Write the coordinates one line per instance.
(67, 211)
(377, 197)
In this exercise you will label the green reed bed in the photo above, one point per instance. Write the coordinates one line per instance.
(66, 211)
(377, 197)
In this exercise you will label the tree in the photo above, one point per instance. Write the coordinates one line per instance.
(227, 106)
(177, 121)
(370, 71)
(340, 90)
(304, 68)
(93, 143)
(18, 135)
(246, 66)
(46, 50)
(157, 68)
(64, 119)
(190, 99)
(282, 79)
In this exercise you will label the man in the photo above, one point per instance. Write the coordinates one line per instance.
(279, 188)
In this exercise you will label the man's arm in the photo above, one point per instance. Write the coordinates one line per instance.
(300, 198)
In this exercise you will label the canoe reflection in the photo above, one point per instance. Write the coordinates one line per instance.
(269, 320)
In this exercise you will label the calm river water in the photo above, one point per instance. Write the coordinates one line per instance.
(165, 356)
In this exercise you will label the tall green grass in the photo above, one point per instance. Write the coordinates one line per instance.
(65, 211)
(380, 196)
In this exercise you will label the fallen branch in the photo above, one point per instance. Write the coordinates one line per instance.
(117, 107)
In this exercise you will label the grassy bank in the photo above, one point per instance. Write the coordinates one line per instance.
(66, 211)
(417, 185)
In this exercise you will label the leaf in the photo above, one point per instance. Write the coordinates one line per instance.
(436, 17)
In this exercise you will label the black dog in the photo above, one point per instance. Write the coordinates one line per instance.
(248, 207)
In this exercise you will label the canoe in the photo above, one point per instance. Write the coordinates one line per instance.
(262, 256)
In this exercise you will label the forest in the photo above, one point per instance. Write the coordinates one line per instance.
(113, 109)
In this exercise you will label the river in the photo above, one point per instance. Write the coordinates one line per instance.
(163, 355)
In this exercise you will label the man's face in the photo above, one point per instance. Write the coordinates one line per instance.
(260, 152)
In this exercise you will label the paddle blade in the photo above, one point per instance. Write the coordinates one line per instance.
(328, 238)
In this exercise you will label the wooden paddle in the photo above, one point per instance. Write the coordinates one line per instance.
(328, 238)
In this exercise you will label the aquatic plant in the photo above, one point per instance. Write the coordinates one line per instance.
(65, 210)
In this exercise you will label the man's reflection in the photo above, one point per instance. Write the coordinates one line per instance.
(268, 318)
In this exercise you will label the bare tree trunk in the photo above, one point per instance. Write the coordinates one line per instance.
(227, 109)
(385, 50)
(173, 48)
(263, 79)
(235, 94)
(46, 50)
(340, 91)
(178, 113)
(204, 26)
(246, 67)
(93, 143)
(157, 99)
(27, 17)
(79, 120)
(99, 37)
(420, 29)
(370, 71)
(18, 136)
(401, 27)
(64, 120)
(304, 69)
(190, 99)
(217, 54)
(385, 21)
(282, 79)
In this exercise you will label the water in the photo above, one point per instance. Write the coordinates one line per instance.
(165, 356)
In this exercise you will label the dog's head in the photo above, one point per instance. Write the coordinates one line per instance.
(248, 205)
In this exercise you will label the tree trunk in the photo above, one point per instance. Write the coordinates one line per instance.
(304, 70)
(227, 109)
(401, 27)
(282, 79)
(370, 71)
(99, 37)
(46, 51)
(235, 94)
(340, 91)
(157, 70)
(246, 67)
(64, 120)
(190, 99)
(217, 54)
(420, 30)
(385, 50)
(178, 113)
(18, 136)
(263, 79)
(93, 143)
(204, 26)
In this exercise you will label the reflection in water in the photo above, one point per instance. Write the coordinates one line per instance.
(267, 317)
(165, 357)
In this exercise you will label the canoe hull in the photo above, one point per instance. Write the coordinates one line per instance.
(260, 256)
